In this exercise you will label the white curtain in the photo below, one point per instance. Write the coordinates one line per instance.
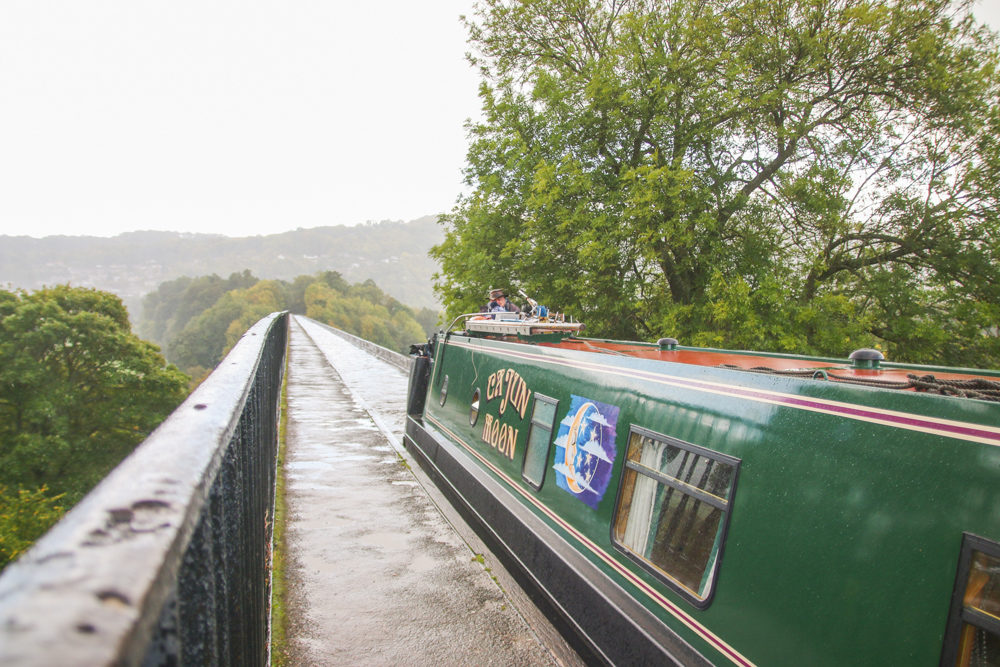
(638, 529)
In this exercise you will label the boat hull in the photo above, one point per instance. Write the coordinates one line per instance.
(829, 520)
(600, 620)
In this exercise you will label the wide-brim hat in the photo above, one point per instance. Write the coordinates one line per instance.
(496, 293)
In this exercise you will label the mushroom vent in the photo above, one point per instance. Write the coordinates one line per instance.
(667, 343)
(866, 358)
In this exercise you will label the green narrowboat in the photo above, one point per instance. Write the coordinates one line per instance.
(675, 505)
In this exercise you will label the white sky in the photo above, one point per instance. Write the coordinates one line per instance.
(240, 118)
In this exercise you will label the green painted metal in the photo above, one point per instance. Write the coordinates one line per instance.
(844, 535)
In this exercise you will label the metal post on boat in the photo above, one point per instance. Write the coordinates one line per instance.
(420, 373)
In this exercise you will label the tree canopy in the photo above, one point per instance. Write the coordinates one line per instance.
(199, 319)
(209, 334)
(365, 311)
(808, 176)
(174, 303)
(78, 391)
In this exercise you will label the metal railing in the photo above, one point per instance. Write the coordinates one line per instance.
(400, 361)
(167, 560)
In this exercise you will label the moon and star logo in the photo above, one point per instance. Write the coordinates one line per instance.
(585, 449)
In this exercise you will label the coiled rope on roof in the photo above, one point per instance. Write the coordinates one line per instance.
(978, 388)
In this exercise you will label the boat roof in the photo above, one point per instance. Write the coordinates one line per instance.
(971, 383)
(880, 373)
(863, 367)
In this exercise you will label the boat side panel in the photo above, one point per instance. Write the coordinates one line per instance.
(832, 516)
(604, 622)
(464, 375)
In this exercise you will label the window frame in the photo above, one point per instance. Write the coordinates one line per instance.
(548, 447)
(661, 575)
(958, 614)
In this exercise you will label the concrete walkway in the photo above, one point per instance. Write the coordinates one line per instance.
(376, 574)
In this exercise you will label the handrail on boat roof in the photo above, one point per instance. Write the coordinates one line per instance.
(457, 318)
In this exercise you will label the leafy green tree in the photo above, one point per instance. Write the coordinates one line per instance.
(796, 175)
(427, 319)
(25, 515)
(202, 341)
(265, 297)
(215, 318)
(209, 335)
(78, 390)
(365, 311)
(297, 294)
(168, 309)
(158, 309)
(297, 289)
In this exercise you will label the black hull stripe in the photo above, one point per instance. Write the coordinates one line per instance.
(649, 591)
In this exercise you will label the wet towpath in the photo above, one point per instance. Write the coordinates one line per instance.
(376, 574)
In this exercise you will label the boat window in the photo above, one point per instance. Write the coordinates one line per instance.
(973, 633)
(536, 454)
(474, 408)
(444, 390)
(673, 508)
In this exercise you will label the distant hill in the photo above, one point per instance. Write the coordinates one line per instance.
(393, 254)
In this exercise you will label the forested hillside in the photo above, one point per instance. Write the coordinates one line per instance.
(393, 254)
(78, 392)
(196, 320)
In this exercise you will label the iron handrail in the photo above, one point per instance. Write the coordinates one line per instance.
(167, 560)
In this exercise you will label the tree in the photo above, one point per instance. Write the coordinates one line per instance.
(25, 515)
(264, 298)
(795, 175)
(168, 309)
(78, 391)
(202, 341)
(213, 331)
(365, 311)
(362, 309)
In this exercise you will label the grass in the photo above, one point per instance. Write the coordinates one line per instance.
(478, 558)
(279, 638)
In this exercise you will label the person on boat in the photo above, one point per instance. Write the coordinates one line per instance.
(499, 304)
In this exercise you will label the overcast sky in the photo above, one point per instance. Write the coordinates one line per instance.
(238, 118)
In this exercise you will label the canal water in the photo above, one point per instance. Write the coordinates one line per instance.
(377, 573)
